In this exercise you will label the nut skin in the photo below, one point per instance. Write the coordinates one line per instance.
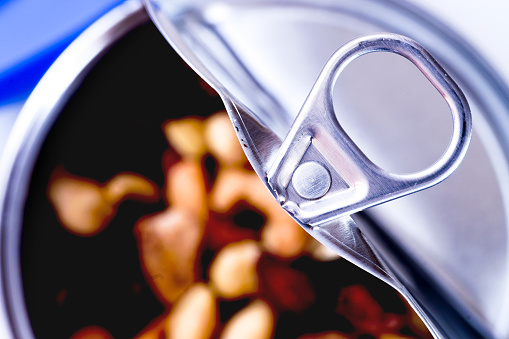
(286, 288)
(194, 315)
(233, 271)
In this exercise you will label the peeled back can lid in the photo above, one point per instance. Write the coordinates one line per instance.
(265, 57)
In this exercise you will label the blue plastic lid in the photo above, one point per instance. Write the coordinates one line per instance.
(33, 33)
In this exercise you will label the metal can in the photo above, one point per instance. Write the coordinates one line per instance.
(456, 232)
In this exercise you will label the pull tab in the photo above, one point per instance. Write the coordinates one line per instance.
(320, 174)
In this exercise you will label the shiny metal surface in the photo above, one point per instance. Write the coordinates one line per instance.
(263, 58)
(316, 133)
(311, 180)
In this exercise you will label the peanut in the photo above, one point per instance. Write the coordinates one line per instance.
(186, 136)
(230, 187)
(194, 316)
(221, 140)
(255, 321)
(258, 195)
(127, 185)
(80, 205)
(320, 252)
(186, 187)
(84, 207)
(281, 235)
(287, 288)
(168, 243)
(233, 271)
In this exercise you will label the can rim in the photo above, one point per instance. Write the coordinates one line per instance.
(35, 120)
(26, 139)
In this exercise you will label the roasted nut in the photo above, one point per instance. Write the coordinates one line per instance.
(230, 187)
(283, 237)
(233, 271)
(84, 207)
(253, 260)
(194, 316)
(359, 307)
(234, 184)
(255, 321)
(258, 195)
(130, 186)
(80, 205)
(168, 243)
(186, 188)
(221, 140)
(286, 288)
(363, 311)
(186, 137)
(92, 332)
(320, 252)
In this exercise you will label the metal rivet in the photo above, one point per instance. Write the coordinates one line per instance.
(311, 180)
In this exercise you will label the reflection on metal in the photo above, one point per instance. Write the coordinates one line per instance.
(311, 180)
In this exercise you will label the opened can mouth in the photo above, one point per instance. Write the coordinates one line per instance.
(456, 232)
